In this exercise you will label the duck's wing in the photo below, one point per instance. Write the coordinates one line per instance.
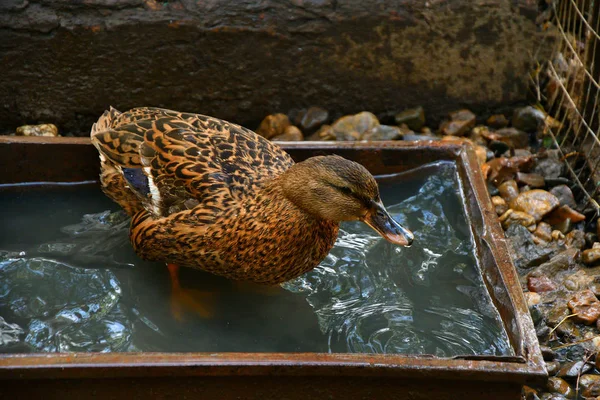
(173, 161)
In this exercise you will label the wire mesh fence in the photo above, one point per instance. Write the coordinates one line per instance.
(567, 86)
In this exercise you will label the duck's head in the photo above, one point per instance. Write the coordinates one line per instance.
(336, 189)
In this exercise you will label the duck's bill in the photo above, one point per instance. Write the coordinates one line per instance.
(383, 223)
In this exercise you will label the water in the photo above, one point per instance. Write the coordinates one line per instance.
(69, 281)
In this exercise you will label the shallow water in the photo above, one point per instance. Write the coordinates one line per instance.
(69, 281)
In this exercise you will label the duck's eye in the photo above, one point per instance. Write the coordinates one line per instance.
(345, 189)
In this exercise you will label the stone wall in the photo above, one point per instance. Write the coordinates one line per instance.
(65, 61)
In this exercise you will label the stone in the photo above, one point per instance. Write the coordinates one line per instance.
(589, 385)
(552, 367)
(413, 138)
(291, 133)
(512, 137)
(313, 118)
(528, 118)
(532, 298)
(576, 239)
(414, 118)
(353, 127)
(49, 130)
(498, 147)
(557, 235)
(526, 253)
(547, 353)
(590, 239)
(531, 180)
(536, 203)
(543, 231)
(460, 123)
(499, 205)
(384, 132)
(477, 135)
(562, 213)
(573, 369)
(539, 284)
(562, 261)
(549, 167)
(509, 190)
(273, 125)
(586, 305)
(325, 132)
(511, 217)
(501, 169)
(591, 256)
(564, 195)
(558, 385)
(529, 393)
(497, 121)
(480, 151)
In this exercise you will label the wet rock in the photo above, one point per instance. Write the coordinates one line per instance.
(543, 231)
(501, 169)
(512, 137)
(573, 369)
(540, 284)
(480, 151)
(564, 227)
(536, 203)
(414, 118)
(564, 195)
(498, 147)
(528, 118)
(562, 213)
(460, 123)
(497, 121)
(590, 238)
(291, 133)
(552, 396)
(313, 118)
(511, 217)
(499, 205)
(273, 125)
(591, 256)
(532, 298)
(549, 167)
(353, 127)
(531, 180)
(548, 353)
(587, 307)
(576, 239)
(9, 333)
(38, 130)
(509, 190)
(384, 132)
(529, 393)
(560, 386)
(477, 135)
(557, 235)
(562, 261)
(552, 367)
(413, 138)
(526, 253)
(589, 385)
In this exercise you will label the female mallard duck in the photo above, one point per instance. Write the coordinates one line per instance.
(208, 194)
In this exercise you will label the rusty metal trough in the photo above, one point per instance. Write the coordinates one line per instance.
(290, 375)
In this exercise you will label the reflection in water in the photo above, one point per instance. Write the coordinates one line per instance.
(87, 291)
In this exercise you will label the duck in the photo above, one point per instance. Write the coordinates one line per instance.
(209, 194)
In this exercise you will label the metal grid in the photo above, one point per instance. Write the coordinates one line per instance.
(567, 86)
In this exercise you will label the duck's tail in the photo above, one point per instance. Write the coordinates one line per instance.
(106, 121)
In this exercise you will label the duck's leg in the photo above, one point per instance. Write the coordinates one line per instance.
(195, 300)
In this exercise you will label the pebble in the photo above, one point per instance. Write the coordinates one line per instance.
(313, 118)
(576, 239)
(325, 132)
(509, 190)
(291, 133)
(543, 231)
(548, 353)
(562, 213)
(500, 169)
(573, 369)
(564, 227)
(591, 256)
(550, 167)
(526, 253)
(414, 118)
(540, 284)
(532, 298)
(590, 238)
(560, 262)
(38, 130)
(498, 147)
(586, 305)
(557, 235)
(536, 203)
(384, 132)
(480, 151)
(558, 385)
(564, 195)
(511, 217)
(589, 385)
(460, 123)
(273, 125)
(512, 137)
(528, 118)
(552, 367)
(499, 205)
(353, 127)
(531, 180)
(497, 121)
(419, 137)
